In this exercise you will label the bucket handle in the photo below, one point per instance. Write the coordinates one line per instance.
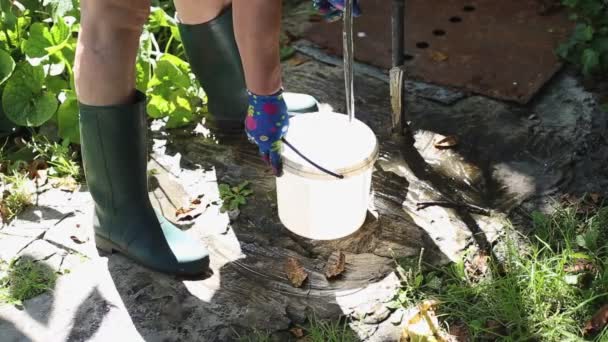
(320, 168)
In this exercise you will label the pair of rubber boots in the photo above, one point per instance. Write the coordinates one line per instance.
(114, 150)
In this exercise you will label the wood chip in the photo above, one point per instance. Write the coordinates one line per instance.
(295, 272)
(335, 265)
(597, 322)
(447, 142)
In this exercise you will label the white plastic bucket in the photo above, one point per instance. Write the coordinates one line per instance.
(313, 203)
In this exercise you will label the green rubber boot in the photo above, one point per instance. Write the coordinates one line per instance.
(214, 58)
(114, 153)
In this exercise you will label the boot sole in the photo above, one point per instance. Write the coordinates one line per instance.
(110, 247)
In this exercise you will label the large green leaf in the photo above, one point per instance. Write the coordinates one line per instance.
(67, 117)
(39, 40)
(7, 65)
(24, 101)
(182, 114)
(168, 72)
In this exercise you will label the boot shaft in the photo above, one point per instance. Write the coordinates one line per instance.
(114, 153)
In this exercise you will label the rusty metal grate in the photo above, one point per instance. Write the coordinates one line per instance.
(502, 49)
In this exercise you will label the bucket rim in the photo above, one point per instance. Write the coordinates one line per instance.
(351, 171)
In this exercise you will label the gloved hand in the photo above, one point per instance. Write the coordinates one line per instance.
(332, 10)
(266, 123)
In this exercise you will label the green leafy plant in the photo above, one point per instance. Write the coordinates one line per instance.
(61, 161)
(24, 278)
(588, 45)
(37, 47)
(233, 197)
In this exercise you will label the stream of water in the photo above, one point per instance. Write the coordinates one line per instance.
(347, 37)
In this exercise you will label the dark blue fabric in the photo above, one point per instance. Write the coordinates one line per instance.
(266, 123)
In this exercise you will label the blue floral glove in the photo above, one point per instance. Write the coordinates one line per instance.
(266, 123)
(332, 10)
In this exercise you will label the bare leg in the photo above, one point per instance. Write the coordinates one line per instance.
(257, 30)
(107, 50)
(192, 12)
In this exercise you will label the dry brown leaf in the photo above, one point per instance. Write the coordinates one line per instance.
(459, 333)
(581, 265)
(447, 142)
(77, 240)
(297, 59)
(190, 213)
(335, 264)
(182, 211)
(295, 272)
(597, 322)
(478, 266)
(297, 332)
(495, 328)
(438, 56)
(67, 184)
(35, 166)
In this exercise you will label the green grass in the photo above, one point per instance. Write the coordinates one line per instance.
(24, 278)
(316, 330)
(329, 331)
(16, 197)
(534, 295)
(256, 336)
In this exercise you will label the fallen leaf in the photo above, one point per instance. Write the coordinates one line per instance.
(335, 265)
(494, 328)
(297, 59)
(581, 265)
(77, 240)
(459, 333)
(447, 142)
(478, 266)
(193, 211)
(297, 332)
(68, 184)
(597, 322)
(182, 211)
(438, 56)
(35, 165)
(295, 272)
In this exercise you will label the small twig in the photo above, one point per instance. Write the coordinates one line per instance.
(447, 204)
